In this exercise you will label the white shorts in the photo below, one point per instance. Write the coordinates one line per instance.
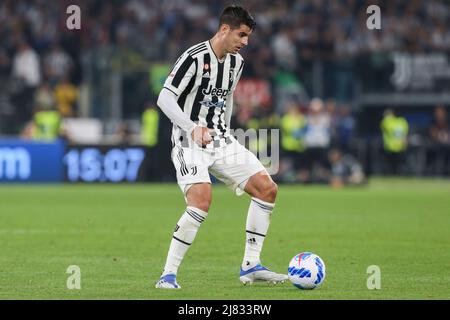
(232, 164)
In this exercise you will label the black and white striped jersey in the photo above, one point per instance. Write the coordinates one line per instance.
(203, 85)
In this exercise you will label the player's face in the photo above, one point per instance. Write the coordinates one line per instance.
(237, 38)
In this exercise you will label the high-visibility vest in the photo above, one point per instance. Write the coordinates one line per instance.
(395, 133)
(150, 126)
(47, 125)
(291, 127)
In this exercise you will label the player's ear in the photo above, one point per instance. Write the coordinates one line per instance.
(224, 28)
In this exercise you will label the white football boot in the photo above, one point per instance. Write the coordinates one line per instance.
(260, 273)
(168, 281)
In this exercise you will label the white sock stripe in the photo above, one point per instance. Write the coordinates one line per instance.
(269, 204)
(263, 206)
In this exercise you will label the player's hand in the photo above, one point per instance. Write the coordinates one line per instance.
(201, 136)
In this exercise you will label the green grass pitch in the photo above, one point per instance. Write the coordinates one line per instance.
(119, 236)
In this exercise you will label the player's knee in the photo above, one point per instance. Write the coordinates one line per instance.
(199, 196)
(272, 192)
(269, 192)
(203, 204)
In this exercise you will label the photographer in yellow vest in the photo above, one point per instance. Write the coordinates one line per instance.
(293, 126)
(47, 125)
(394, 130)
(150, 138)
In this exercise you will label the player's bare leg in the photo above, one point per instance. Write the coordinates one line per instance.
(263, 191)
(198, 201)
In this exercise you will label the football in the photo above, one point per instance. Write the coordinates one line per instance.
(306, 271)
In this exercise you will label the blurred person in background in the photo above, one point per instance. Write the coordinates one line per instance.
(150, 138)
(344, 169)
(44, 97)
(124, 134)
(345, 127)
(293, 127)
(26, 71)
(57, 64)
(6, 109)
(45, 126)
(66, 95)
(150, 126)
(317, 138)
(440, 141)
(394, 131)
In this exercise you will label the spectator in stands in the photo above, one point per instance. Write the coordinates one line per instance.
(26, 65)
(344, 169)
(57, 64)
(440, 129)
(66, 95)
(44, 98)
(124, 134)
(284, 48)
(317, 135)
(26, 71)
(345, 126)
(440, 138)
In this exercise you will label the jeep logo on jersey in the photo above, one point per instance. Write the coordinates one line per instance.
(220, 93)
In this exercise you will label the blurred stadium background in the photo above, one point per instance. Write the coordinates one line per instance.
(349, 102)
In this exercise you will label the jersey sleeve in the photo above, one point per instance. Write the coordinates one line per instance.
(238, 76)
(182, 72)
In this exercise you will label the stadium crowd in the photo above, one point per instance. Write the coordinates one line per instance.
(43, 64)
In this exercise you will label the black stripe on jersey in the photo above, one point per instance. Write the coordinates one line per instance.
(197, 47)
(232, 66)
(240, 69)
(181, 72)
(176, 62)
(193, 53)
(203, 86)
(215, 99)
(230, 84)
(182, 99)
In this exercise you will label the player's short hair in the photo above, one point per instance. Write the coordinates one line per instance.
(235, 15)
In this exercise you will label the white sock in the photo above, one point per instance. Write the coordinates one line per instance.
(258, 220)
(183, 236)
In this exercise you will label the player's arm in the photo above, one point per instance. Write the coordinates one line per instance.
(167, 102)
(176, 82)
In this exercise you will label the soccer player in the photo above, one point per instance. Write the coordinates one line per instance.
(198, 98)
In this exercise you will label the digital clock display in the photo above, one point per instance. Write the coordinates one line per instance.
(103, 164)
